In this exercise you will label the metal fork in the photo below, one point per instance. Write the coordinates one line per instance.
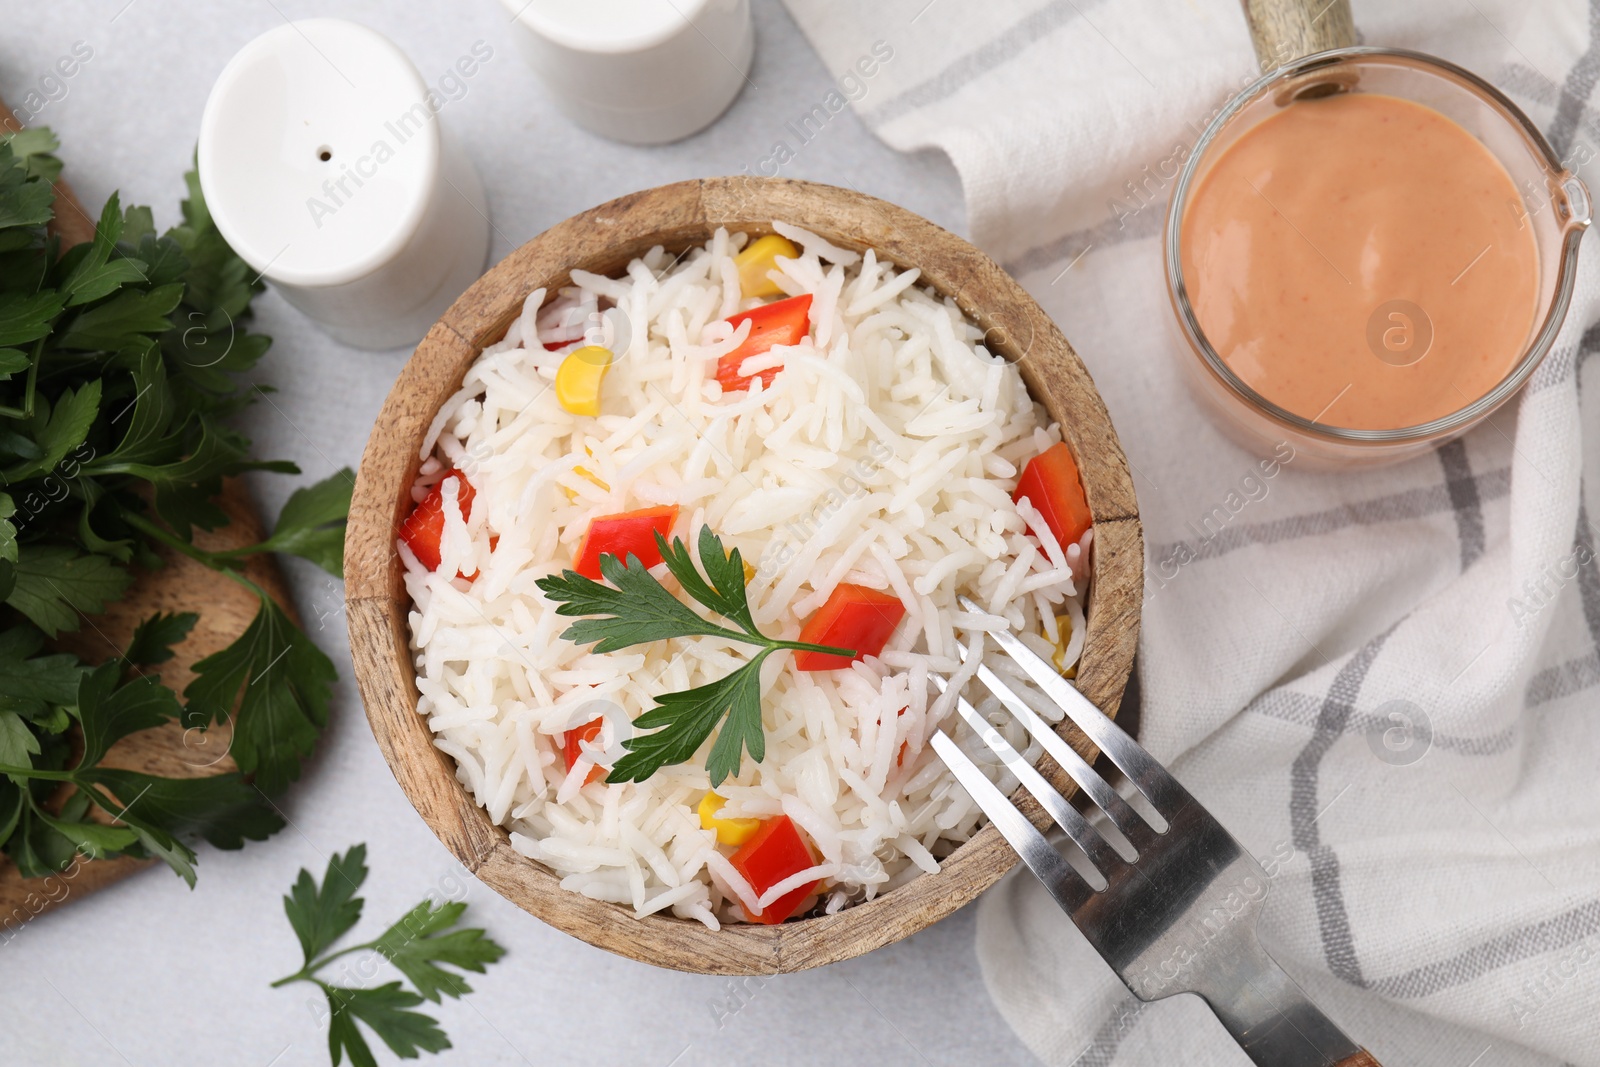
(1177, 917)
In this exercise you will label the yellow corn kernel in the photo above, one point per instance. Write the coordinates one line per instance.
(578, 379)
(589, 476)
(757, 259)
(729, 831)
(1059, 656)
(749, 568)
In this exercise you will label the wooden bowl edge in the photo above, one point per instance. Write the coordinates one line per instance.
(377, 603)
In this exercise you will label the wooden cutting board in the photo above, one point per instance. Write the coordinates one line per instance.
(225, 610)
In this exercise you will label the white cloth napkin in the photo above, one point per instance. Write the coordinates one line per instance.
(1435, 887)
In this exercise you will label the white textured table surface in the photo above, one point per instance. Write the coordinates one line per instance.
(149, 973)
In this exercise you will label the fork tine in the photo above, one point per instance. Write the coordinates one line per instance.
(1064, 883)
(1100, 853)
(1152, 779)
(1119, 811)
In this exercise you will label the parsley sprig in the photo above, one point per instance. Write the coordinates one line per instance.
(637, 609)
(419, 946)
(155, 816)
(123, 361)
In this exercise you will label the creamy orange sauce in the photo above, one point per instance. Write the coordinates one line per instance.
(1362, 261)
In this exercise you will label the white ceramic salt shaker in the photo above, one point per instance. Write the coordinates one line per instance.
(325, 165)
(641, 71)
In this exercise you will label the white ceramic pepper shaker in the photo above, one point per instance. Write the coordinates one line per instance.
(641, 71)
(325, 165)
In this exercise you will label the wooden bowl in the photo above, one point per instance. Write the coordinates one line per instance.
(604, 239)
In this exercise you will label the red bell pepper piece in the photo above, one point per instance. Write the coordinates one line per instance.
(424, 527)
(854, 617)
(1050, 482)
(782, 322)
(571, 751)
(632, 533)
(776, 852)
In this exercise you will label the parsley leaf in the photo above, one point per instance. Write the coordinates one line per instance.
(636, 609)
(34, 148)
(58, 430)
(153, 639)
(26, 316)
(55, 582)
(321, 916)
(25, 199)
(385, 1010)
(107, 326)
(95, 840)
(94, 274)
(422, 940)
(417, 945)
(34, 846)
(223, 809)
(148, 438)
(109, 712)
(311, 524)
(286, 683)
(725, 591)
(689, 717)
(17, 742)
(30, 684)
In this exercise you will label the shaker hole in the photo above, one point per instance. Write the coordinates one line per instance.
(325, 153)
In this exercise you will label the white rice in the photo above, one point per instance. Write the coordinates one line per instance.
(884, 454)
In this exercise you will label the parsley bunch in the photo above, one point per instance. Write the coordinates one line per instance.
(636, 609)
(118, 374)
(416, 945)
(155, 816)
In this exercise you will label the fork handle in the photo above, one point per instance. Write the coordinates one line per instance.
(1270, 1016)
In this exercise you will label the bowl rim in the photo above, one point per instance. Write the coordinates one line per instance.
(604, 239)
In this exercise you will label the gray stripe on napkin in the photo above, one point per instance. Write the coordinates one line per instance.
(1523, 81)
(1575, 93)
(1464, 500)
(1302, 709)
(1395, 507)
(1564, 363)
(1575, 675)
(1109, 1035)
(1147, 222)
(981, 60)
(1333, 921)
(1588, 345)
(1535, 939)
(1588, 580)
(1563, 680)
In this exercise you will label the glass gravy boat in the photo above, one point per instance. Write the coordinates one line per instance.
(1555, 204)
